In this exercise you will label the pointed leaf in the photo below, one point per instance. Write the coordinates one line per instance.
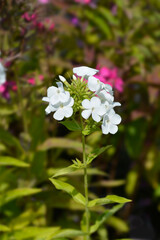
(65, 171)
(69, 233)
(78, 197)
(107, 200)
(62, 143)
(72, 125)
(10, 161)
(91, 156)
(10, 140)
(17, 193)
(35, 232)
(103, 217)
(4, 228)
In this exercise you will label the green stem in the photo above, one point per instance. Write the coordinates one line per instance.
(85, 188)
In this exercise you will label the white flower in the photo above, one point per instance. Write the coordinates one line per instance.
(93, 107)
(84, 71)
(108, 88)
(105, 96)
(56, 95)
(110, 122)
(94, 84)
(64, 110)
(2, 74)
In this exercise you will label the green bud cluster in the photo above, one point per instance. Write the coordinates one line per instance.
(79, 91)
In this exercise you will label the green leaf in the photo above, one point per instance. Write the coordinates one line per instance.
(107, 200)
(62, 143)
(7, 110)
(103, 217)
(39, 233)
(10, 161)
(65, 171)
(76, 171)
(109, 183)
(78, 197)
(91, 156)
(4, 228)
(135, 135)
(17, 193)
(69, 233)
(10, 140)
(72, 125)
(99, 22)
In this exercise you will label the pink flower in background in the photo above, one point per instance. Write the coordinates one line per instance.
(6, 87)
(32, 80)
(83, 1)
(43, 1)
(110, 76)
(29, 17)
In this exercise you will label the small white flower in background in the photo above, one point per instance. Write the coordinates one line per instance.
(110, 122)
(85, 71)
(64, 110)
(94, 108)
(2, 74)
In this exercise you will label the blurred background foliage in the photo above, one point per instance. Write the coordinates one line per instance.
(40, 40)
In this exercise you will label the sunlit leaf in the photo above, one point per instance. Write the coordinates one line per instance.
(91, 156)
(17, 193)
(69, 233)
(10, 161)
(78, 197)
(72, 125)
(107, 200)
(62, 143)
(4, 228)
(36, 232)
(103, 217)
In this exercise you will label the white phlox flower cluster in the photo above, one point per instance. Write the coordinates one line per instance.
(60, 102)
(2, 74)
(96, 100)
(100, 106)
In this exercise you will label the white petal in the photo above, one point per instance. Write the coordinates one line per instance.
(68, 111)
(62, 78)
(51, 91)
(86, 114)
(86, 104)
(115, 119)
(45, 99)
(101, 110)
(70, 102)
(105, 129)
(94, 84)
(84, 71)
(106, 96)
(111, 113)
(64, 97)
(96, 117)
(113, 128)
(54, 100)
(116, 104)
(48, 110)
(60, 86)
(59, 114)
(95, 102)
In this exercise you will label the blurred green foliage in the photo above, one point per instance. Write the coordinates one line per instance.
(110, 33)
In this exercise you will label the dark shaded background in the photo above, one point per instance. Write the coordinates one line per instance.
(40, 41)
